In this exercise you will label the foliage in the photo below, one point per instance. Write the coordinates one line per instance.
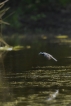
(34, 8)
(2, 12)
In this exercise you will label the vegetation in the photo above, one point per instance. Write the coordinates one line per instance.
(2, 12)
(34, 9)
(26, 15)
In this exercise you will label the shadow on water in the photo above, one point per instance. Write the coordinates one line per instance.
(27, 79)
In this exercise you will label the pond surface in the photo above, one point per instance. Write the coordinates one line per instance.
(27, 79)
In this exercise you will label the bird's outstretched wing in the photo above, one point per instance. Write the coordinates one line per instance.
(53, 58)
(49, 56)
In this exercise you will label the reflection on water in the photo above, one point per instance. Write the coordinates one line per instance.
(27, 79)
(5, 91)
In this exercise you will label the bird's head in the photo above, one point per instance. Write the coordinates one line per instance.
(41, 53)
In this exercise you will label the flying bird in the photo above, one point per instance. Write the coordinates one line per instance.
(47, 55)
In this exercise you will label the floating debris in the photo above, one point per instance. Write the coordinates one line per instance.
(18, 47)
(6, 48)
(28, 47)
(44, 37)
(62, 36)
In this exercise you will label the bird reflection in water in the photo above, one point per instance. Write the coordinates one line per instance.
(53, 95)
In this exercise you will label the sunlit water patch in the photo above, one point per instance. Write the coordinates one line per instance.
(34, 87)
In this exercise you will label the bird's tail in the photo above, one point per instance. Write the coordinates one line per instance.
(54, 58)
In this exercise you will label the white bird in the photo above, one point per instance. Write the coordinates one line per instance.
(47, 55)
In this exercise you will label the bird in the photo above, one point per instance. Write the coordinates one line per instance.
(47, 55)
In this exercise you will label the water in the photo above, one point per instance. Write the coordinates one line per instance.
(27, 79)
